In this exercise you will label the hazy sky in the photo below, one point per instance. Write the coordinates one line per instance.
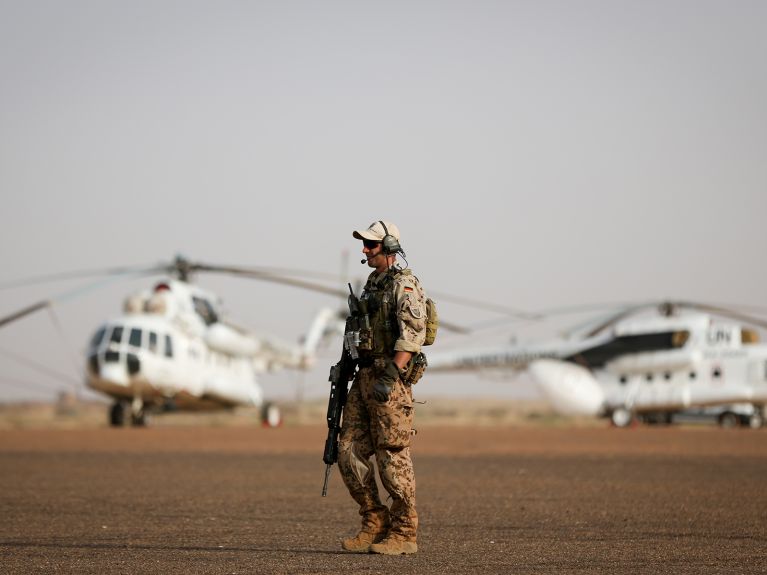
(533, 153)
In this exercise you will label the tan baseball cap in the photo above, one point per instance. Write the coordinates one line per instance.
(376, 231)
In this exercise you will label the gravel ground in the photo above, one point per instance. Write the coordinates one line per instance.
(491, 500)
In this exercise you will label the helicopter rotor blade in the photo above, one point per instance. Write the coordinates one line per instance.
(49, 278)
(285, 273)
(449, 326)
(621, 310)
(668, 307)
(182, 268)
(724, 311)
(17, 315)
(260, 274)
(477, 304)
(549, 313)
(71, 294)
(616, 317)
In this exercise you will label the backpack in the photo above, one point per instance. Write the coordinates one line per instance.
(432, 322)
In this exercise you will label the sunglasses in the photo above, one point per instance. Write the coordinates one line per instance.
(370, 244)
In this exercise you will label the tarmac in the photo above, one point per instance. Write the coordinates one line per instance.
(491, 500)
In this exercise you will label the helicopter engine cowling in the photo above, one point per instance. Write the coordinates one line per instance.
(225, 339)
(570, 388)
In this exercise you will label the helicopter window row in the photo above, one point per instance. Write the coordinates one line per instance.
(716, 373)
(136, 338)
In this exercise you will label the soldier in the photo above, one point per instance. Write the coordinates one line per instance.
(378, 415)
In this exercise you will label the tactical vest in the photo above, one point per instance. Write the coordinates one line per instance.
(382, 312)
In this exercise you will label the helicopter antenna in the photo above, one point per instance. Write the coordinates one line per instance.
(667, 308)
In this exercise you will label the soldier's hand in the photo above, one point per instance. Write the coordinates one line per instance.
(385, 383)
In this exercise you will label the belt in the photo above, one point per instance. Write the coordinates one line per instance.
(369, 360)
(365, 362)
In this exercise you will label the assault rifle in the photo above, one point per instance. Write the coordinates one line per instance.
(340, 376)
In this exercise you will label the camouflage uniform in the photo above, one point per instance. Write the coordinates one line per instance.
(384, 429)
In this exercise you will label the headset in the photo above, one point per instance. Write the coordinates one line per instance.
(389, 244)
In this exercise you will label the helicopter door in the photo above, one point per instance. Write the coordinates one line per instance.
(757, 373)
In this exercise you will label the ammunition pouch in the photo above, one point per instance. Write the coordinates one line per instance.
(365, 342)
(351, 341)
(415, 369)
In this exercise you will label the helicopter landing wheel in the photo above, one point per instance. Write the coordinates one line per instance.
(117, 414)
(271, 415)
(756, 421)
(622, 417)
(138, 419)
(728, 420)
(138, 416)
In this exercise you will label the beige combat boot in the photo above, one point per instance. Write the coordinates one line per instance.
(395, 544)
(375, 526)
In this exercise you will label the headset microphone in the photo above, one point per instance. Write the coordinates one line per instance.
(364, 261)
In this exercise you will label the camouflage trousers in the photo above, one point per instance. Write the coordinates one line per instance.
(384, 429)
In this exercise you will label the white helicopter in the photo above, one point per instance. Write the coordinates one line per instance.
(647, 367)
(171, 350)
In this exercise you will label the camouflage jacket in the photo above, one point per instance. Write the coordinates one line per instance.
(397, 306)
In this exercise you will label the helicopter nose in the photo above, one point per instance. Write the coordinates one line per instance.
(571, 389)
(114, 366)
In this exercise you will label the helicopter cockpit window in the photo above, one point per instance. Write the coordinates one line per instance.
(168, 346)
(599, 355)
(98, 337)
(152, 341)
(680, 338)
(748, 336)
(117, 334)
(134, 338)
(204, 310)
